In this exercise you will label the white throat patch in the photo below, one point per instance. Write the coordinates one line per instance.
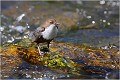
(50, 32)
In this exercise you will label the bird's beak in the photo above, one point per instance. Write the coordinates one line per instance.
(57, 24)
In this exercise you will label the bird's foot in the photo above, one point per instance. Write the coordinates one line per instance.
(41, 54)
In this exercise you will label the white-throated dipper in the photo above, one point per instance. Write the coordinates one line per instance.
(45, 33)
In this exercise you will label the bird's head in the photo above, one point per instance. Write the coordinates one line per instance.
(50, 22)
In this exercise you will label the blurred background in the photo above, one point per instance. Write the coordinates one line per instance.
(93, 23)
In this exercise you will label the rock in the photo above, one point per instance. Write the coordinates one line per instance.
(61, 57)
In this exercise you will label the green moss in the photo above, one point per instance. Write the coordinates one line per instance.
(25, 43)
(56, 62)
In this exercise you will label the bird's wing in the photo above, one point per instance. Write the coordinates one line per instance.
(36, 34)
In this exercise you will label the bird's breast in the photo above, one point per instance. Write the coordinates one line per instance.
(50, 32)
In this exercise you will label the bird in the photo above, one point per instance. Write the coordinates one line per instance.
(45, 33)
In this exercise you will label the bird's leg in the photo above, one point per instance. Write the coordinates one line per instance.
(48, 44)
(39, 50)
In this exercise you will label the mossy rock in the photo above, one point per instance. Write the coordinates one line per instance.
(62, 56)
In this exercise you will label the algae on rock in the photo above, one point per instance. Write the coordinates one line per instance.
(61, 56)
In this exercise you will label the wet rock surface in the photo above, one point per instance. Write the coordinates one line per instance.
(63, 59)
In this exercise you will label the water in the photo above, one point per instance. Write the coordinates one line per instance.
(94, 23)
(92, 37)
